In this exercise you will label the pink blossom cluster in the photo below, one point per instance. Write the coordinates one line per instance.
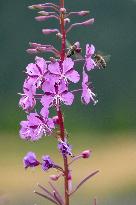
(48, 83)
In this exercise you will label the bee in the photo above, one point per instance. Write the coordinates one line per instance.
(74, 49)
(100, 60)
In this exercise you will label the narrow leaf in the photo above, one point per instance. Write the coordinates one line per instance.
(47, 197)
(57, 199)
(57, 193)
(84, 180)
(44, 189)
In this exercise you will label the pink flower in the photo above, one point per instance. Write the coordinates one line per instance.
(27, 101)
(55, 94)
(65, 148)
(35, 127)
(30, 160)
(87, 94)
(47, 163)
(37, 71)
(90, 64)
(65, 72)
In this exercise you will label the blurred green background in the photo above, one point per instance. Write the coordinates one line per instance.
(107, 128)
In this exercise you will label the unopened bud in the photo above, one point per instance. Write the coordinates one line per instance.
(49, 31)
(32, 51)
(66, 20)
(31, 7)
(88, 22)
(59, 35)
(40, 18)
(83, 13)
(34, 45)
(63, 10)
(36, 6)
(54, 177)
(42, 49)
(55, 118)
(86, 154)
(44, 13)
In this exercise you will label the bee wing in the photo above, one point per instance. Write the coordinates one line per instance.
(68, 44)
(105, 56)
(78, 56)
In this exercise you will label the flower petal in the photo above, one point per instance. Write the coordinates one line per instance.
(46, 101)
(85, 98)
(90, 64)
(50, 123)
(73, 76)
(54, 68)
(85, 78)
(68, 98)
(62, 87)
(68, 63)
(32, 70)
(44, 112)
(90, 50)
(48, 87)
(42, 65)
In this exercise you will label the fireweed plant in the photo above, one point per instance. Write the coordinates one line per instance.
(48, 81)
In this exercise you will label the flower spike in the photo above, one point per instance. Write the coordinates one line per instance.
(48, 85)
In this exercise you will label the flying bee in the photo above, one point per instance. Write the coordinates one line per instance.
(73, 49)
(100, 60)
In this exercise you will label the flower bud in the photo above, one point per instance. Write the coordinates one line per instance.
(34, 45)
(59, 35)
(44, 13)
(32, 51)
(88, 22)
(66, 20)
(42, 48)
(56, 120)
(40, 18)
(54, 177)
(83, 13)
(63, 10)
(36, 6)
(86, 154)
(49, 31)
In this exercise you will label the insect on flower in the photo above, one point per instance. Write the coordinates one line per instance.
(73, 49)
(101, 60)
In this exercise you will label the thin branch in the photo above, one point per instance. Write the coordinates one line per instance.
(79, 156)
(84, 180)
(46, 197)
